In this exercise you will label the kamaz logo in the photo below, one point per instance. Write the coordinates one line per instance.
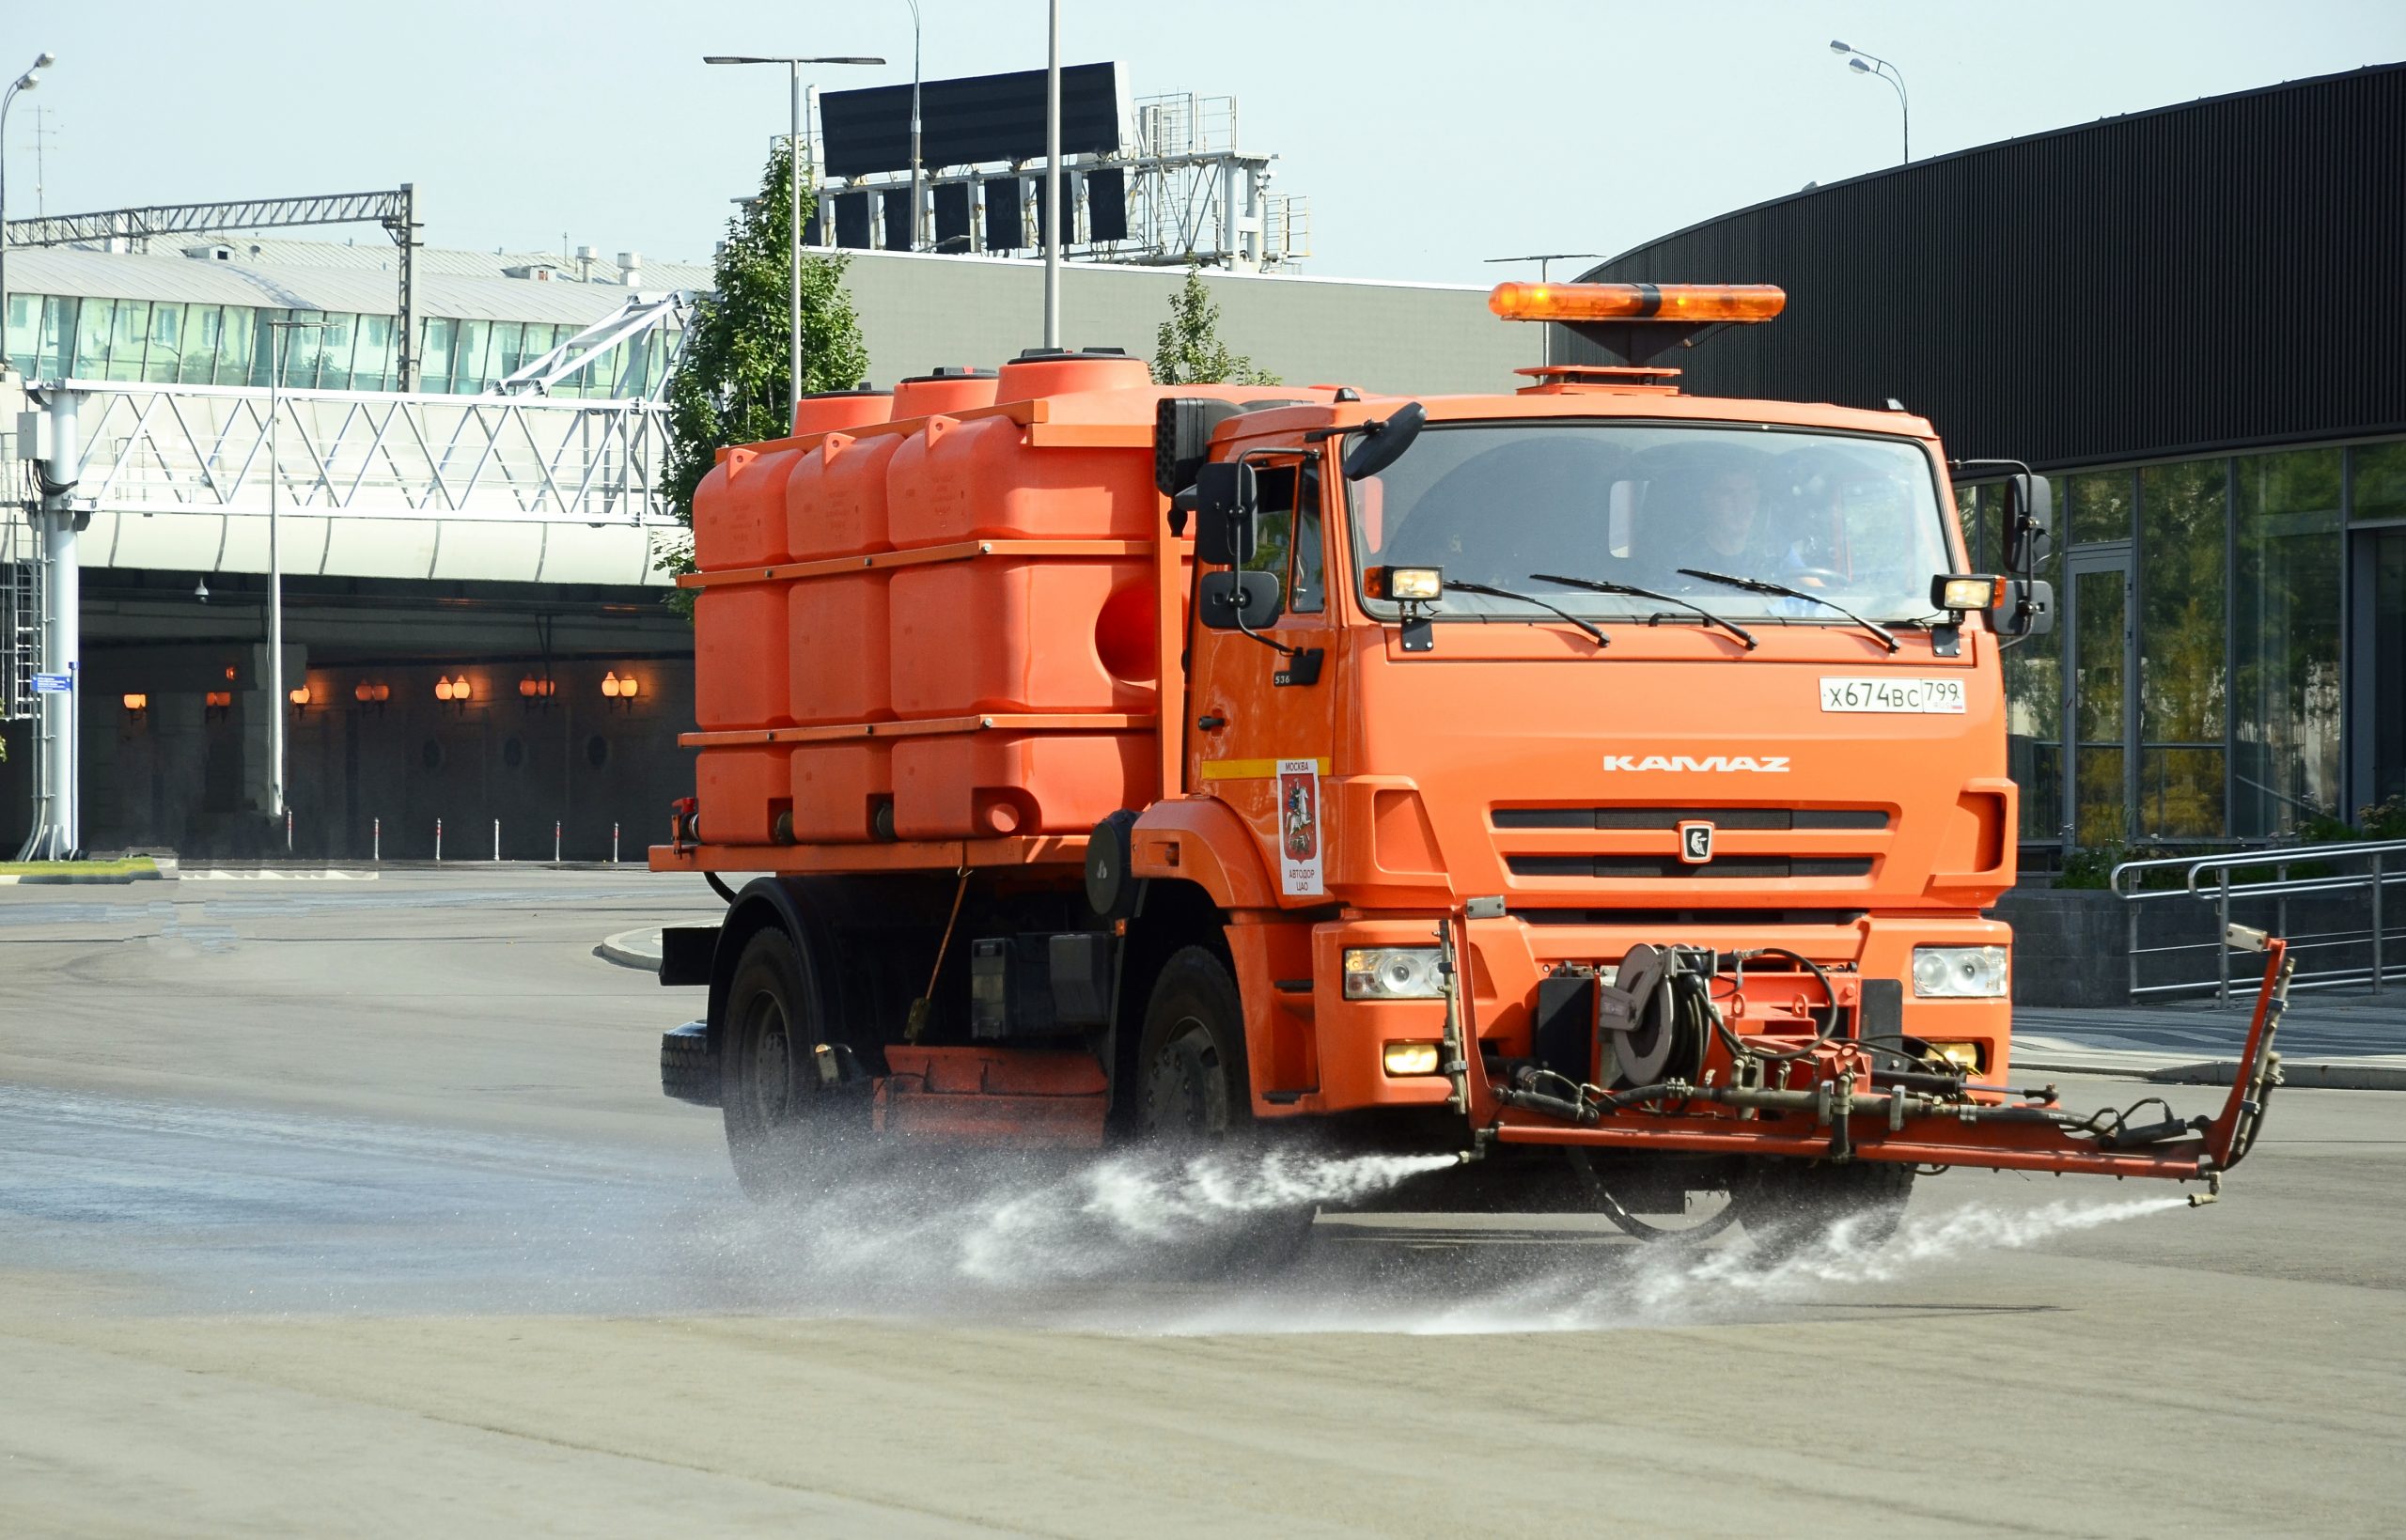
(1769, 764)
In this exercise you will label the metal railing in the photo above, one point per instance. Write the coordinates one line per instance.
(2361, 955)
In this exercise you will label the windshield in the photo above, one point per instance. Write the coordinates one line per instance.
(1853, 520)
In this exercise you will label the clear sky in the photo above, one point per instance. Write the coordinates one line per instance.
(1429, 133)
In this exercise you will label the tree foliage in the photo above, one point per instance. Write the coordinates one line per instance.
(1187, 350)
(730, 384)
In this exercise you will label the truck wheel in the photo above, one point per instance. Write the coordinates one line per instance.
(1789, 1206)
(779, 1123)
(1194, 1097)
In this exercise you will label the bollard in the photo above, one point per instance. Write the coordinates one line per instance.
(287, 831)
(376, 840)
(438, 842)
(556, 841)
(614, 844)
(497, 839)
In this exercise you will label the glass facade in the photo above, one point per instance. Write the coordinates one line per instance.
(165, 342)
(2201, 667)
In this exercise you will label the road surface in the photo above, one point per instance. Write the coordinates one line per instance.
(352, 1208)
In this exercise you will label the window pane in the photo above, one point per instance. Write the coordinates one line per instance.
(166, 343)
(434, 362)
(335, 345)
(198, 365)
(2286, 651)
(2381, 480)
(24, 324)
(127, 335)
(2101, 819)
(58, 337)
(2098, 690)
(509, 346)
(473, 368)
(92, 340)
(2100, 506)
(2180, 597)
(371, 367)
(2181, 793)
(237, 342)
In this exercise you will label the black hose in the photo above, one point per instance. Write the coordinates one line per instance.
(719, 886)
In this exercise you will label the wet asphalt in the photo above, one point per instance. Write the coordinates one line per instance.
(352, 1208)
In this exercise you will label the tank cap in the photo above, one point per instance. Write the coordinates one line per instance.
(1074, 352)
(864, 388)
(951, 371)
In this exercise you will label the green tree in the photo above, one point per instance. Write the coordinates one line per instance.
(730, 384)
(1187, 350)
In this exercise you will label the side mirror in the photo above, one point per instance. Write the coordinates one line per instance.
(1228, 513)
(2029, 520)
(1379, 444)
(2028, 610)
(1239, 602)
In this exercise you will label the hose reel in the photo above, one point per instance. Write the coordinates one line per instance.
(1656, 1016)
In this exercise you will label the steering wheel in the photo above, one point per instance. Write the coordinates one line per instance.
(1825, 577)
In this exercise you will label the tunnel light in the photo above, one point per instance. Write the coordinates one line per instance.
(610, 684)
(137, 703)
(298, 696)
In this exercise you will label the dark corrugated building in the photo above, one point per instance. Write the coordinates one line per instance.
(2195, 318)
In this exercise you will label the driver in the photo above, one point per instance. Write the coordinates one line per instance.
(1729, 509)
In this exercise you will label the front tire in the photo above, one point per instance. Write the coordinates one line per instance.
(1195, 1101)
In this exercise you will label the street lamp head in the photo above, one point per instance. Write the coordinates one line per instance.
(30, 79)
(780, 58)
(1837, 47)
(1858, 67)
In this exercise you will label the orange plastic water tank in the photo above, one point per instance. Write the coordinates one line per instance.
(980, 479)
(1022, 635)
(839, 788)
(741, 643)
(742, 794)
(974, 786)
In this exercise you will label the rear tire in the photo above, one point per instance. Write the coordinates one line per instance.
(1195, 1099)
(782, 1127)
(1789, 1206)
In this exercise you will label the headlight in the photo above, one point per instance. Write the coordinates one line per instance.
(1392, 972)
(1959, 972)
(1410, 1058)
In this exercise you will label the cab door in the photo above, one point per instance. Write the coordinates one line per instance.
(1261, 715)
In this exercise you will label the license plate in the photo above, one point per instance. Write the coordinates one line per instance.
(1935, 697)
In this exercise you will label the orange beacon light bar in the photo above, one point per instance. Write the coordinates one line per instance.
(1692, 303)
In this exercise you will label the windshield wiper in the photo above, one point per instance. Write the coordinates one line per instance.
(1597, 586)
(1759, 586)
(1461, 586)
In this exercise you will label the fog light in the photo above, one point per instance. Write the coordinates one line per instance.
(1411, 1058)
(1959, 972)
(1416, 582)
(1392, 972)
(1971, 1058)
(1972, 593)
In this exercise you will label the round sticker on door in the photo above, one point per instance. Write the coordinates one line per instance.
(1299, 853)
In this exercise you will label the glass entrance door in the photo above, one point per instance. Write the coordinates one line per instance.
(2098, 697)
(2385, 647)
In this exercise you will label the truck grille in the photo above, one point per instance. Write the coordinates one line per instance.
(1719, 866)
(1630, 844)
(1671, 817)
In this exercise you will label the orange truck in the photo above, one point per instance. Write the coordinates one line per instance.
(1600, 783)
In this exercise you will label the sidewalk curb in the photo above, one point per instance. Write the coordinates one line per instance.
(636, 949)
(2325, 1074)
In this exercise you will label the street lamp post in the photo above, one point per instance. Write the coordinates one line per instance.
(794, 244)
(1873, 64)
(275, 573)
(1053, 178)
(25, 82)
(915, 235)
(1545, 261)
